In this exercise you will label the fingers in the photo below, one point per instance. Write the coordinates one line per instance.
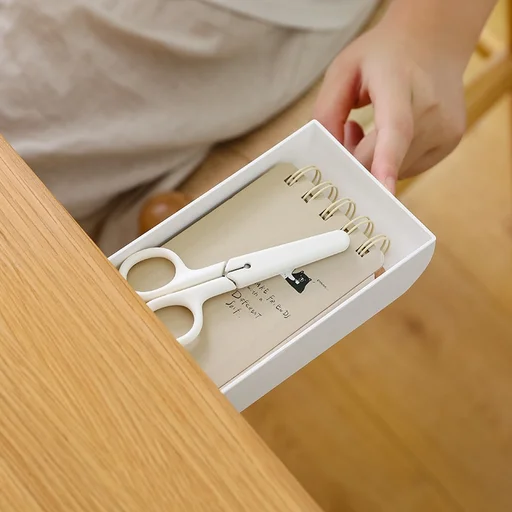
(365, 149)
(384, 150)
(353, 135)
(338, 95)
(394, 122)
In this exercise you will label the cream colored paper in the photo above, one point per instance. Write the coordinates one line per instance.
(241, 327)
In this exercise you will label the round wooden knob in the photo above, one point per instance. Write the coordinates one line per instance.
(159, 208)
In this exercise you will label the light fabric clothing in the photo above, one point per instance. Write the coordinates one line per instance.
(109, 101)
(303, 14)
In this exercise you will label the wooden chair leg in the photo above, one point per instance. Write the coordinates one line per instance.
(160, 207)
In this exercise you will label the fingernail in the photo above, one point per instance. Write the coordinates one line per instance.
(389, 183)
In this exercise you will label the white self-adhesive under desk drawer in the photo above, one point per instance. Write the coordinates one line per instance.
(410, 251)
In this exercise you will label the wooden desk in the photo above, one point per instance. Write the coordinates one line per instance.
(100, 409)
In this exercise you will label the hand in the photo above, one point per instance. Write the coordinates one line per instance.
(417, 97)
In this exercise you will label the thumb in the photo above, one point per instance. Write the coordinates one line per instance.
(338, 94)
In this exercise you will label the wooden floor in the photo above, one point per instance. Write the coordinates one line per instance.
(413, 411)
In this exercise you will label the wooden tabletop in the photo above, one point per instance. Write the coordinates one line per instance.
(100, 409)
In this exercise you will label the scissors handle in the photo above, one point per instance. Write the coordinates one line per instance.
(183, 278)
(193, 300)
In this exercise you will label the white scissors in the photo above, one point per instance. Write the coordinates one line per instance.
(191, 288)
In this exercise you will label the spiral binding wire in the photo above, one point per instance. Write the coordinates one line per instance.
(371, 242)
(354, 223)
(319, 189)
(336, 205)
(361, 221)
(297, 175)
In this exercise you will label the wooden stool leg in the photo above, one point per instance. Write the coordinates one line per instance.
(159, 208)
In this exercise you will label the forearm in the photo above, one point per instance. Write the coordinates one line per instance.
(448, 26)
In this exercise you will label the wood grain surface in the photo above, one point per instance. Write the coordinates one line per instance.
(100, 409)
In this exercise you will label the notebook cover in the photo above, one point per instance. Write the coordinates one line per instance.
(242, 326)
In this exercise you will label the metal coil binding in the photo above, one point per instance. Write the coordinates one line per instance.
(355, 223)
(336, 205)
(372, 242)
(319, 189)
(359, 221)
(297, 175)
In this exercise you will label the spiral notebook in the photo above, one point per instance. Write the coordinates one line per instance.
(283, 205)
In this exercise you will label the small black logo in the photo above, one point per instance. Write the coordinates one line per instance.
(297, 280)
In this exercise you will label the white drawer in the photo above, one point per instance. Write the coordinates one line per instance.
(411, 250)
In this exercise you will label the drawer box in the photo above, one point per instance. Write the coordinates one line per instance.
(412, 247)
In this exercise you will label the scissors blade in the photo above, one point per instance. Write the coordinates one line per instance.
(257, 266)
